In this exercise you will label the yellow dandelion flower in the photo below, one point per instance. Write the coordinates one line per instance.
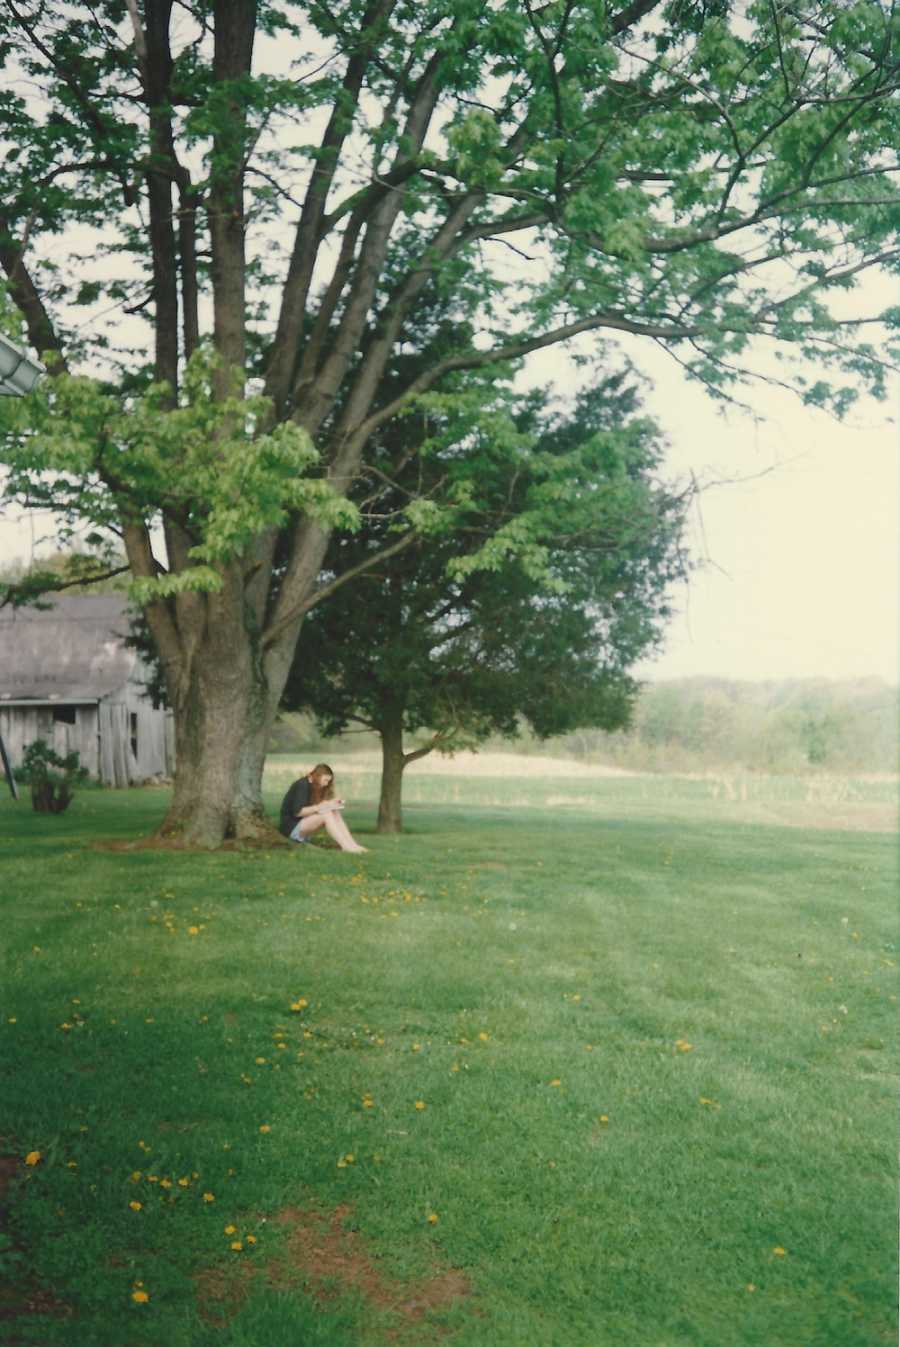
(556, 1081)
(71, 1164)
(140, 1297)
(433, 1218)
(483, 1036)
(249, 1239)
(209, 1197)
(136, 1176)
(683, 1045)
(750, 1286)
(260, 1061)
(264, 1127)
(779, 1252)
(350, 1158)
(33, 1158)
(184, 1183)
(236, 1245)
(603, 1118)
(420, 1104)
(165, 1183)
(193, 930)
(153, 1178)
(135, 1206)
(231, 1230)
(342, 1163)
(300, 1004)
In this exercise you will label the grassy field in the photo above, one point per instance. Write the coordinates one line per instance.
(581, 1060)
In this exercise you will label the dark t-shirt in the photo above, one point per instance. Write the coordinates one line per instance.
(297, 798)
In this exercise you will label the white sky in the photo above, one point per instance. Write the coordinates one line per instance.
(799, 572)
(801, 577)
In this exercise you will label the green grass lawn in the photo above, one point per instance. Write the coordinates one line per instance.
(617, 1070)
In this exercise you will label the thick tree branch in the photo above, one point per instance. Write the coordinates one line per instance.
(154, 59)
(235, 29)
(320, 399)
(25, 295)
(285, 618)
(512, 351)
(17, 592)
(296, 289)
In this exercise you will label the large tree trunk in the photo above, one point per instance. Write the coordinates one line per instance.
(393, 761)
(270, 674)
(220, 699)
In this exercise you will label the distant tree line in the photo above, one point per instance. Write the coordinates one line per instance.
(797, 725)
(702, 724)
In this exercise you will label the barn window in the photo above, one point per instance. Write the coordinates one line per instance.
(134, 737)
(64, 715)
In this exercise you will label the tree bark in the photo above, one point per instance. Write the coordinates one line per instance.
(390, 807)
(270, 671)
(216, 690)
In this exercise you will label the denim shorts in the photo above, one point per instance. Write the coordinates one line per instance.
(295, 834)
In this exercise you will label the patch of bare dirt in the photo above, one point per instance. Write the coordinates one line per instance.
(222, 1290)
(330, 1259)
(153, 843)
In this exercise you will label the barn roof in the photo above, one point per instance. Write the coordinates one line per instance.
(72, 651)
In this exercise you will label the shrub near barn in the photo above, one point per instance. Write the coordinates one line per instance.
(50, 776)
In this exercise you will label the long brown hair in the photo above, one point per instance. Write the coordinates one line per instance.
(317, 793)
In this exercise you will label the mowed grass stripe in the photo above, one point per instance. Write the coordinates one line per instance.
(653, 1058)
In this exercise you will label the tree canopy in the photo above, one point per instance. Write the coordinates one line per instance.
(455, 634)
(218, 222)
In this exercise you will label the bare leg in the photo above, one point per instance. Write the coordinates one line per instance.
(340, 833)
(311, 822)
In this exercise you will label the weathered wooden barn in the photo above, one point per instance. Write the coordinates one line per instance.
(67, 676)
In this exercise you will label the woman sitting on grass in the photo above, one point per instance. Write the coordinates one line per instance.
(310, 804)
